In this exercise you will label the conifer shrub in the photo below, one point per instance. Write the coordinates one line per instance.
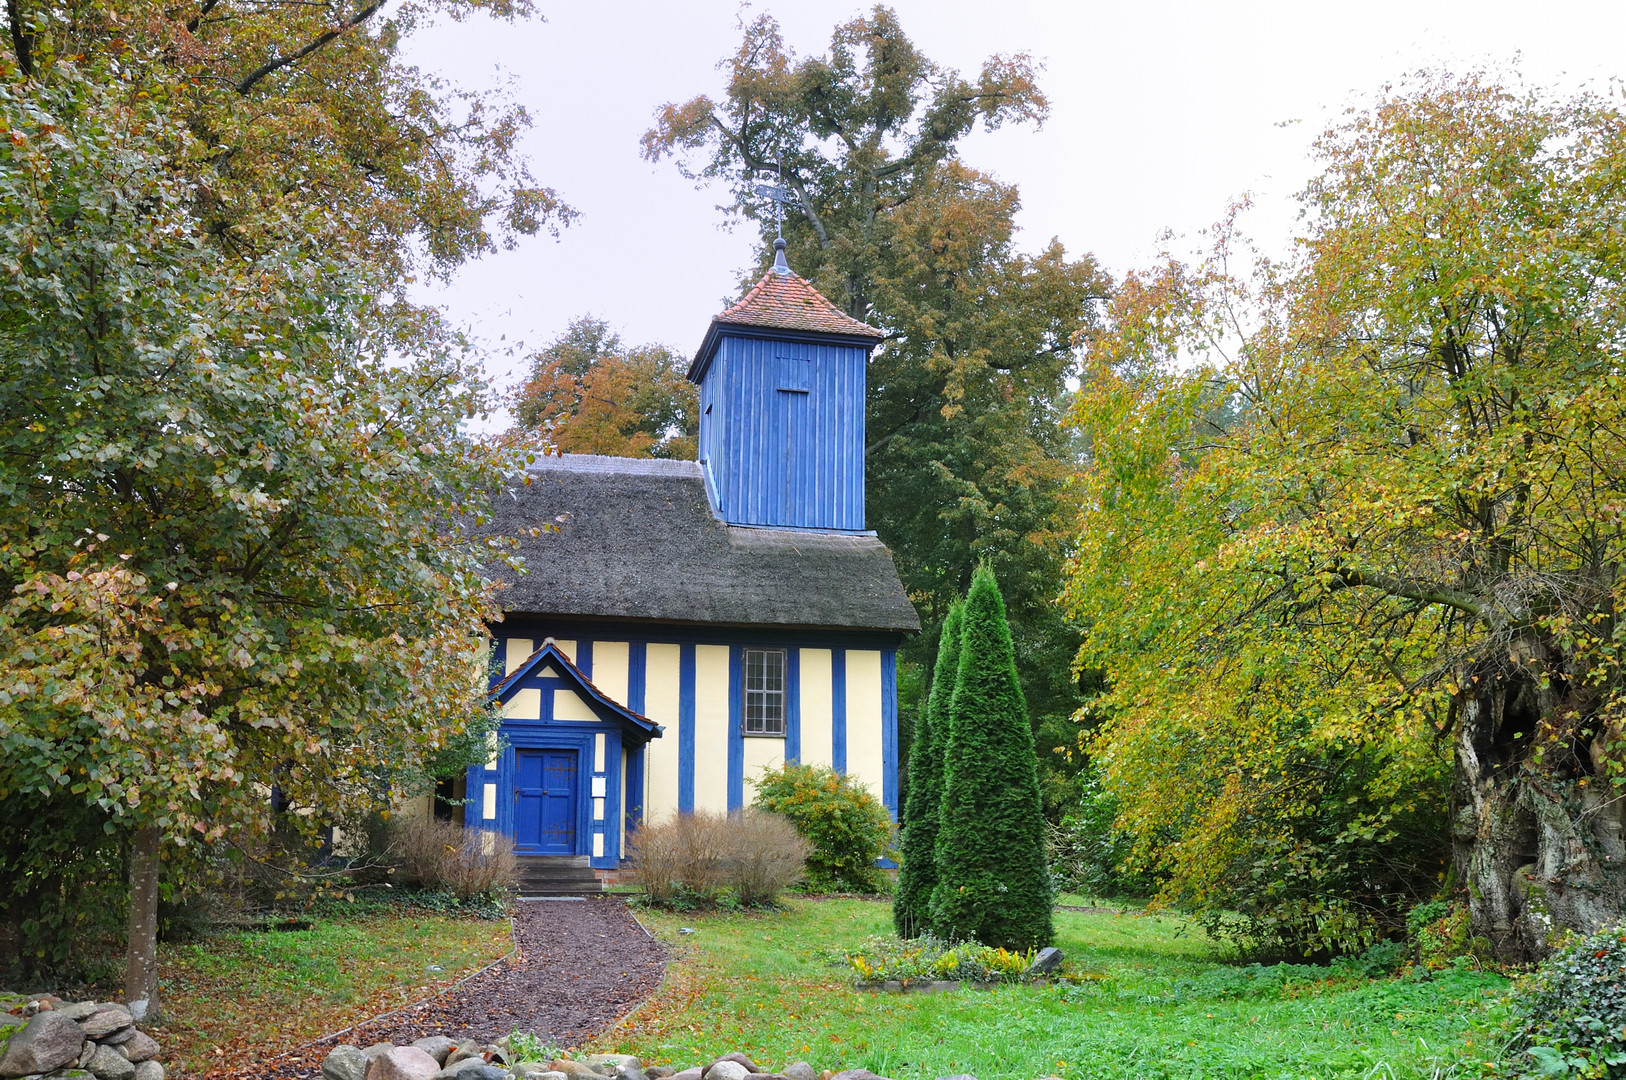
(847, 829)
(993, 884)
(923, 805)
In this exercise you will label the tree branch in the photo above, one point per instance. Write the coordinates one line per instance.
(279, 63)
(1395, 586)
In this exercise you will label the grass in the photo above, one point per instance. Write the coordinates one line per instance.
(1156, 998)
(240, 996)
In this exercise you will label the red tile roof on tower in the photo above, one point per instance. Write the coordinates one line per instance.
(787, 302)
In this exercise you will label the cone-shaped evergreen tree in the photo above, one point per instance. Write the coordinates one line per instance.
(922, 809)
(992, 881)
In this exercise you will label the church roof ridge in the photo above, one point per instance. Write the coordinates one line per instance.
(787, 301)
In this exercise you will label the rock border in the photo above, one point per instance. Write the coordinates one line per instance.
(43, 1037)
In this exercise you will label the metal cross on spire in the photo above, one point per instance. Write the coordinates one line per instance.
(780, 197)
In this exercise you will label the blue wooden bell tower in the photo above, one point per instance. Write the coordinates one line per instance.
(781, 378)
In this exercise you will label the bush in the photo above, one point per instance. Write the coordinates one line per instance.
(1573, 1009)
(746, 858)
(1088, 854)
(846, 828)
(445, 856)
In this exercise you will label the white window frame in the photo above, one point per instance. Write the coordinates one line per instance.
(764, 708)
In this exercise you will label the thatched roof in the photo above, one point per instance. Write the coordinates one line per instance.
(639, 541)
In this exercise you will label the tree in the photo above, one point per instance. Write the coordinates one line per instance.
(923, 807)
(587, 393)
(229, 561)
(965, 458)
(992, 881)
(1377, 526)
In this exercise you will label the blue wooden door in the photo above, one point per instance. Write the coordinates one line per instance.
(545, 802)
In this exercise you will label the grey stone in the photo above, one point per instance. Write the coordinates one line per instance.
(377, 1048)
(686, 1074)
(535, 1070)
(461, 1066)
(660, 1072)
(725, 1070)
(122, 1035)
(48, 1041)
(634, 1073)
(78, 1010)
(106, 1020)
(741, 1059)
(108, 1064)
(465, 1050)
(800, 1071)
(402, 1063)
(8, 1022)
(345, 1062)
(149, 1070)
(578, 1069)
(856, 1074)
(141, 1047)
(1046, 962)
(485, 1072)
(438, 1047)
(615, 1061)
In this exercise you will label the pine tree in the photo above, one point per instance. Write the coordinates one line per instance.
(992, 881)
(922, 810)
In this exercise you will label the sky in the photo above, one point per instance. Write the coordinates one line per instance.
(1162, 113)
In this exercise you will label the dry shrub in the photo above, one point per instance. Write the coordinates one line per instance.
(442, 855)
(749, 856)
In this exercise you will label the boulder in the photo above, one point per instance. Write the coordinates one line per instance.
(122, 1035)
(108, 1064)
(485, 1072)
(536, 1070)
(345, 1062)
(614, 1061)
(149, 1070)
(465, 1050)
(140, 1047)
(10, 1022)
(438, 1047)
(687, 1074)
(579, 1069)
(740, 1059)
(105, 1020)
(402, 1063)
(800, 1071)
(48, 1041)
(725, 1070)
(79, 1010)
(377, 1048)
(660, 1072)
(1046, 962)
(460, 1066)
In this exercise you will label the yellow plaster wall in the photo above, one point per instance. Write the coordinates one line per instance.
(519, 649)
(568, 705)
(864, 718)
(610, 667)
(760, 753)
(661, 667)
(526, 704)
(711, 728)
(817, 712)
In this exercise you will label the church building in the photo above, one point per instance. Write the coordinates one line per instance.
(682, 625)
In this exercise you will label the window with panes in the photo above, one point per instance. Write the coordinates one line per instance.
(764, 691)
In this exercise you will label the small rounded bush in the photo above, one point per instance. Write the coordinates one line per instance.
(1573, 1008)
(846, 827)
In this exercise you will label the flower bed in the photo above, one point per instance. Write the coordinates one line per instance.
(930, 963)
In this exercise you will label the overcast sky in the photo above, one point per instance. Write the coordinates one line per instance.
(1160, 114)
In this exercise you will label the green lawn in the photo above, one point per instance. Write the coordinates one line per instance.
(242, 996)
(1158, 999)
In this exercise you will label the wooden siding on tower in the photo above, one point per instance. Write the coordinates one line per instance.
(782, 433)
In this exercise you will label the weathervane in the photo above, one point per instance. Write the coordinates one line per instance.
(780, 197)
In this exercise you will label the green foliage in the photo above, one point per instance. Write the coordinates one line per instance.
(926, 958)
(1089, 854)
(923, 805)
(847, 829)
(1572, 1009)
(992, 882)
(526, 1046)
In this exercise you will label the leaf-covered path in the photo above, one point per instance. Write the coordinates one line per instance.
(579, 967)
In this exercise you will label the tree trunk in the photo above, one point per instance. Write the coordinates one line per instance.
(1536, 839)
(141, 970)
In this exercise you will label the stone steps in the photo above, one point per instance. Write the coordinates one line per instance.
(560, 875)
